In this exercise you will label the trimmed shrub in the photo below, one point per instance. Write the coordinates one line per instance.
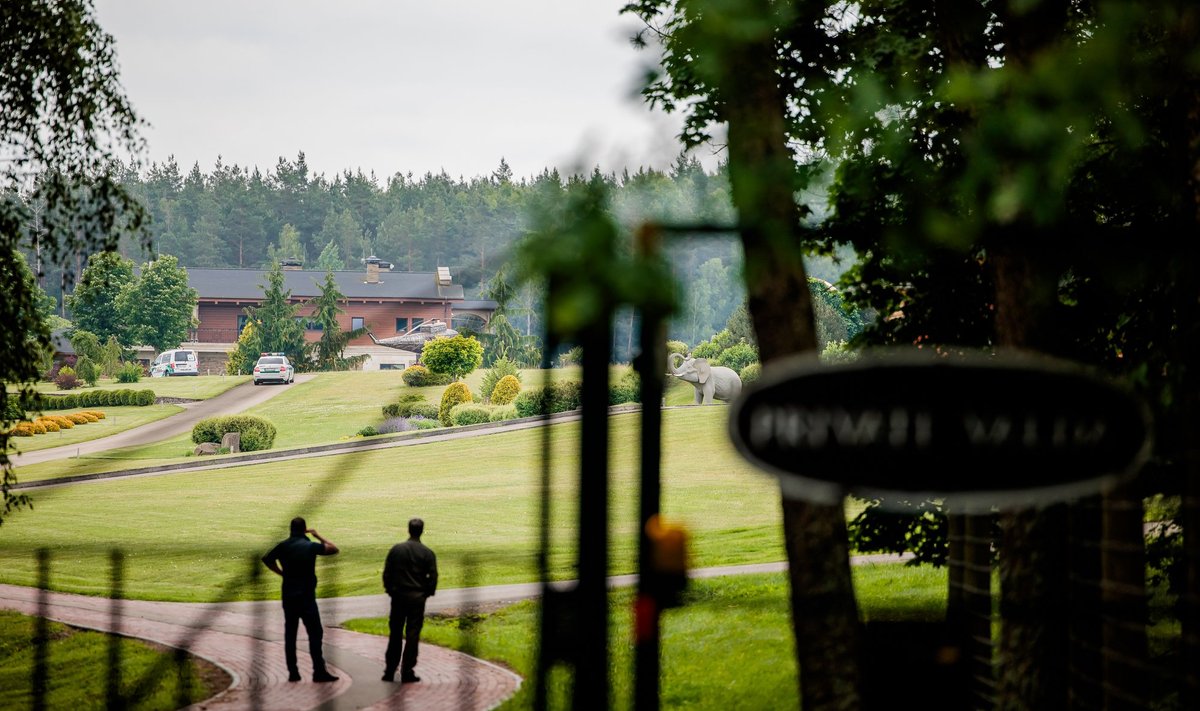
(129, 373)
(750, 373)
(49, 423)
(532, 402)
(418, 376)
(500, 369)
(90, 417)
(565, 395)
(411, 397)
(145, 398)
(503, 412)
(66, 378)
(78, 418)
(408, 408)
(470, 414)
(37, 428)
(391, 410)
(627, 389)
(257, 433)
(738, 356)
(424, 423)
(424, 409)
(368, 431)
(64, 422)
(95, 413)
(22, 429)
(506, 390)
(456, 394)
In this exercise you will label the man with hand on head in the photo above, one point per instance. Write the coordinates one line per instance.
(295, 560)
(409, 577)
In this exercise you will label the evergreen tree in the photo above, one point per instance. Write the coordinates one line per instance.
(289, 247)
(331, 258)
(276, 327)
(328, 352)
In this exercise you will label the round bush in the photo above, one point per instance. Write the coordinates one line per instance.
(500, 368)
(418, 376)
(95, 413)
(145, 398)
(49, 424)
(423, 409)
(565, 395)
(456, 394)
(66, 379)
(627, 389)
(22, 429)
(37, 428)
(750, 373)
(503, 412)
(470, 414)
(368, 431)
(64, 422)
(391, 410)
(78, 418)
(506, 390)
(257, 433)
(129, 373)
(423, 423)
(738, 356)
(90, 417)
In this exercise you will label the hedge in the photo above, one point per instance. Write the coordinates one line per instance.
(96, 398)
(418, 376)
(408, 408)
(470, 414)
(257, 433)
(503, 412)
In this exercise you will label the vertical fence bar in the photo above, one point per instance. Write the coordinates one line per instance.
(651, 364)
(41, 631)
(1123, 591)
(544, 657)
(1085, 690)
(977, 611)
(591, 690)
(115, 615)
(254, 683)
(468, 688)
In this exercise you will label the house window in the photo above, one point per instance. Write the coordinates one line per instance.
(313, 325)
(417, 322)
(356, 322)
(401, 325)
(242, 318)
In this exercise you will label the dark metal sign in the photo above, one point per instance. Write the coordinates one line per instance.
(975, 430)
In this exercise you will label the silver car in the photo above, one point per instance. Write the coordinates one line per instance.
(274, 368)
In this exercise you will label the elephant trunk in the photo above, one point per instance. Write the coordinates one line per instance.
(671, 362)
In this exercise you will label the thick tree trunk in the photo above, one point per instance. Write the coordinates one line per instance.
(762, 173)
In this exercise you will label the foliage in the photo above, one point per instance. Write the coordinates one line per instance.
(156, 308)
(418, 376)
(93, 303)
(275, 329)
(368, 431)
(330, 259)
(501, 413)
(750, 373)
(130, 372)
(737, 356)
(111, 357)
(87, 370)
(676, 347)
(574, 356)
(838, 352)
(455, 394)
(411, 408)
(329, 351)
(455, 356)
(257, 433)
(289, 247)
(66, 379)
(561, 396)
(245, 353)
(49, 424)
(505, 391)
(500, 367)
(627, 389)
(404, 424)
(86, 344)
(470, 414)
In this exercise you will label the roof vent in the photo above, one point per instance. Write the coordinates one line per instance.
(291, 264)
(443, 276)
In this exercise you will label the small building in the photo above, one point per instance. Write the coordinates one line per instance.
(385, 302)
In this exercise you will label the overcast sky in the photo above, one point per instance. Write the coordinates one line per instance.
(390, 85)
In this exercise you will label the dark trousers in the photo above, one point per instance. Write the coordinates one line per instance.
(404, 628)
(295, 611)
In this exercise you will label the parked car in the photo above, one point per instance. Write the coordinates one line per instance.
(176, 362)
(274, 368)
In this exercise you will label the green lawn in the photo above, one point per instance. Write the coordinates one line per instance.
(730, 646)
(200, 387)
(117, 419)
(75, 663)
(188, 535)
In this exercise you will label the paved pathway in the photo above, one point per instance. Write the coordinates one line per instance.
(231, 401)
(246, 640)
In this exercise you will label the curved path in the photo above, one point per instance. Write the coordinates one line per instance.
(231, 401)
(245, 639)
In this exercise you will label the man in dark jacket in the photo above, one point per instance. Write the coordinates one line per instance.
(409, 576)
(295, 560)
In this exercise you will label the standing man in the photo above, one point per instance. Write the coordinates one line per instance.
(295, 560)
(409, 576)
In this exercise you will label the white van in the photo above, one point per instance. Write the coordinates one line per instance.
(177, 362)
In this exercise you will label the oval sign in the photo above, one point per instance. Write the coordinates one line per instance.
(974, 430)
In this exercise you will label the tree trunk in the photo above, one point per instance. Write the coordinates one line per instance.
(762, 176)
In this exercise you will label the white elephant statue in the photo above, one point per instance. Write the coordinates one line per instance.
(711, 382)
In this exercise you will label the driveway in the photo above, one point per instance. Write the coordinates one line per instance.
(230, 402)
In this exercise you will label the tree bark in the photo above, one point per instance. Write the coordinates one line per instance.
(762, 175)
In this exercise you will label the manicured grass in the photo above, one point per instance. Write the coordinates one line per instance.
(117, 419)
(76, 660)
(200, 387)
(730, 646)
(188, 535)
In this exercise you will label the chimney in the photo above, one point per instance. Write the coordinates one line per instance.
(443, 276)
(372, 270)
(290, 264)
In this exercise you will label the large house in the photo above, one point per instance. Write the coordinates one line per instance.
(385, 302)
